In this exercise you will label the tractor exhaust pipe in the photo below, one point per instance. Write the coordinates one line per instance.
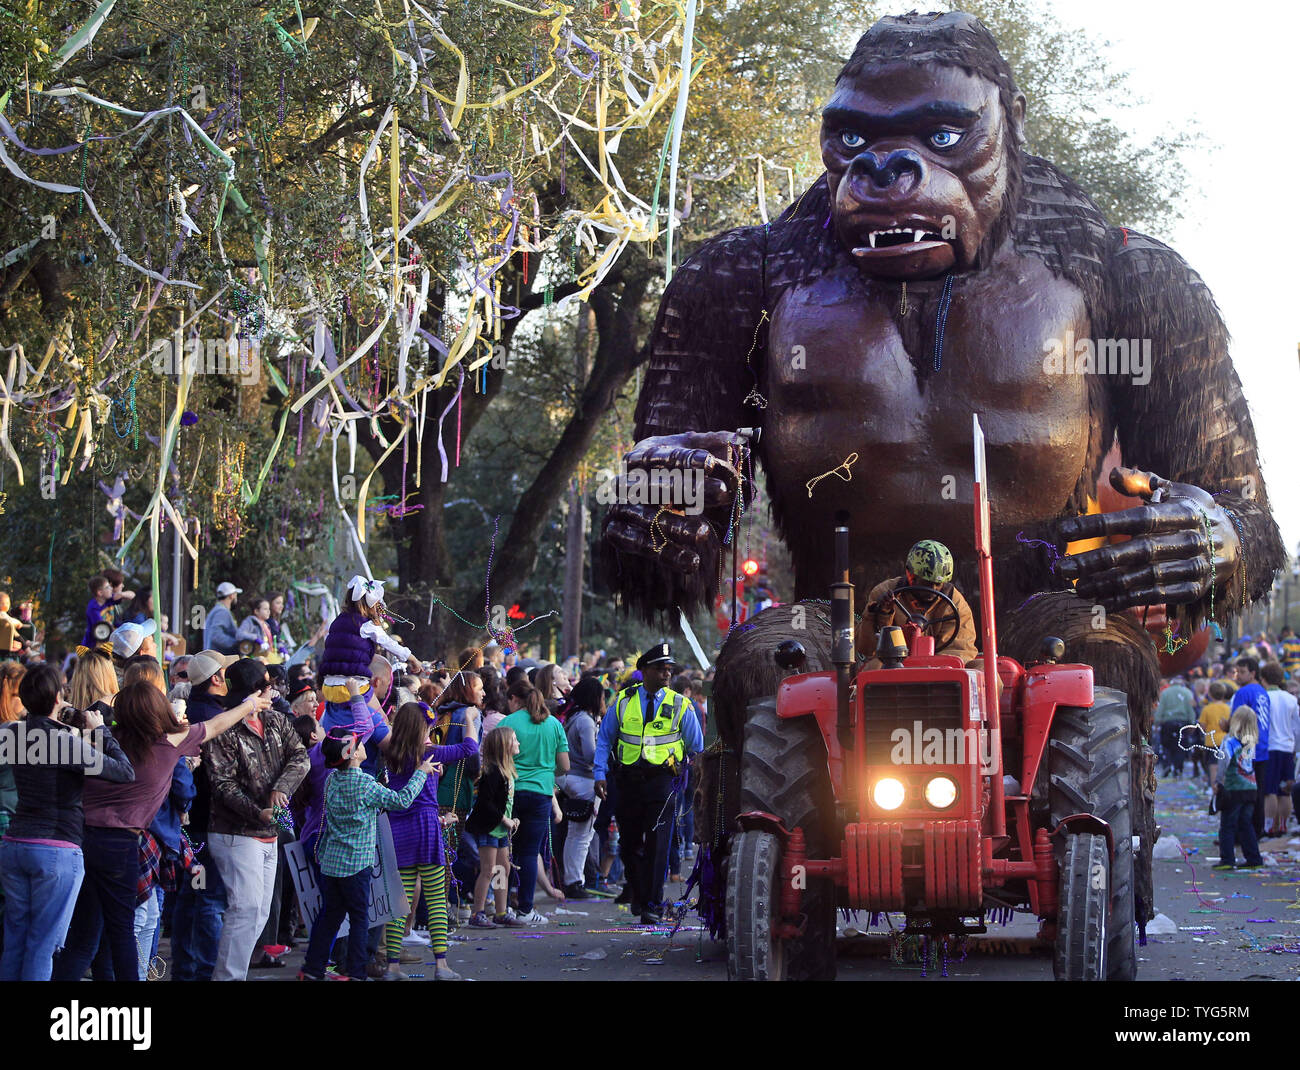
(842, 631)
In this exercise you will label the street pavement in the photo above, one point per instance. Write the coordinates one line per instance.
(1225, 926)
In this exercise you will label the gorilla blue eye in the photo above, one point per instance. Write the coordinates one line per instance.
(944, 139)
(852, 140)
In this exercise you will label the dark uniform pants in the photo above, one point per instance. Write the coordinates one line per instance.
(645, 828)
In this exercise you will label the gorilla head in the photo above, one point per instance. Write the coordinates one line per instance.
(921, 140)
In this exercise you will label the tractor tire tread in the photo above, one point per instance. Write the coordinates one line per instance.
(783, 771)
(1090, 771)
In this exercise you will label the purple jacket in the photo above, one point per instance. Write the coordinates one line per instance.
(309, 800)
(417, 835)
(347, 651)
(95, 612)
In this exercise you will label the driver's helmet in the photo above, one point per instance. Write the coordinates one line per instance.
(929, 560)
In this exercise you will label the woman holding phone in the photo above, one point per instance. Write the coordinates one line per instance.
(41, 859)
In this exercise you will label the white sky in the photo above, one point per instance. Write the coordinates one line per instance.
(1235, 73)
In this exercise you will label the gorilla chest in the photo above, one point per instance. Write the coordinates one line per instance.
(843, 377)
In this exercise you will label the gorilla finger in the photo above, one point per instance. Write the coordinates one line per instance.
(1135, 552)
(1175, 595)
(1158, 573)
(718, 492)
(1133, 482)
(637, 540)
(669, 465)
(693, 532)
(1144, 520)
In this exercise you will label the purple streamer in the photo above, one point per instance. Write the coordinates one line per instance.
(1054, 554)
(563, 53)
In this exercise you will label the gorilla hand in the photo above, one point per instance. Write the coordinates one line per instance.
(671, 482)
(1168, 559)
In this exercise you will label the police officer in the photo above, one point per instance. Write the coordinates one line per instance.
(645, 742)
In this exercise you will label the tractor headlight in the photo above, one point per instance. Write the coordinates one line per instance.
(888, 793)
(941, 792)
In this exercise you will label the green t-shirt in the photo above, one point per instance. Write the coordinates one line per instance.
(501, 831)
(538, 746)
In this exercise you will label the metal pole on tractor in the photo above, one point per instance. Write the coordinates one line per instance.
(842, 631)
(983, 552)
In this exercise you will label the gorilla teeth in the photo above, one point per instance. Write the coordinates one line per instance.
(908, 235)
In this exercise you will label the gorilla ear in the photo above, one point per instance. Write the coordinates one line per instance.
(1016, 120)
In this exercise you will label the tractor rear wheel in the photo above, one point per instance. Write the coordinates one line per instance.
(753, 898)
(1083, 921)
(1090, 772)
(783, 771)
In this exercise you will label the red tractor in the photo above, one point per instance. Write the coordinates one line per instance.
(932, 789)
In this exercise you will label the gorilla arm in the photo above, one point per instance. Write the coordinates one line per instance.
(707, 337)
(1190, 422)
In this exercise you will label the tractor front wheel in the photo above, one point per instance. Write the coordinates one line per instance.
(1090, 772)
(783, 771)
(753, 897)
(1084, 919)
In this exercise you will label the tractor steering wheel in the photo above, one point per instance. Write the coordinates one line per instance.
(931, 624)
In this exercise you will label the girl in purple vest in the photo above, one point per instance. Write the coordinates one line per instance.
(354, 636)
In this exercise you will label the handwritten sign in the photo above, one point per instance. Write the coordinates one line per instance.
(387, 896)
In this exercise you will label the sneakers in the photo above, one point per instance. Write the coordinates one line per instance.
(625, 896)
(509, 920)
(415, 939)
(651, 917)
(576, 891)
(533, 917)
(482, 921)
(330, 975)
(1224, 865)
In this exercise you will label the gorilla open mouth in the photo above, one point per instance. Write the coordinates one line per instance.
(912, 248)
(883, 239)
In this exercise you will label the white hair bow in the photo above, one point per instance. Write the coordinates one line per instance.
(371, 590)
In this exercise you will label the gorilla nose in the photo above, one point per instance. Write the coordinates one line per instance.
(889, 172)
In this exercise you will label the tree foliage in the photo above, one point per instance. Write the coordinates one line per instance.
(534, 205)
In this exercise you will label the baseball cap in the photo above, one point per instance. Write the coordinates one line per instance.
(128, 638)
(207, 662)
(227, 588)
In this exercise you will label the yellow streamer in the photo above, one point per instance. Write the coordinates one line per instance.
(364, 492)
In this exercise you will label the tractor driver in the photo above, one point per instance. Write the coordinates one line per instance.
(929, 568)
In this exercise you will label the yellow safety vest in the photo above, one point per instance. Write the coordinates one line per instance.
(659, 739)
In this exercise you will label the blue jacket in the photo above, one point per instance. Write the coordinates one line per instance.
(219, 631)
(166, 826)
